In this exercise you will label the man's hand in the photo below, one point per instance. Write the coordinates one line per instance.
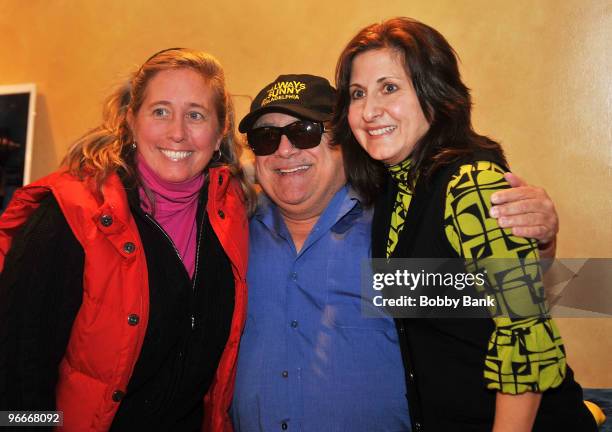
(529, 211)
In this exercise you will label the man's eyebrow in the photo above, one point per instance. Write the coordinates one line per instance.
(264, 124)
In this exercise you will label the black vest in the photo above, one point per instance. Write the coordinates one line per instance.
(189, 323)
(444, 358)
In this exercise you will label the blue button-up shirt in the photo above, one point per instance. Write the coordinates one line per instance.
(309, 360)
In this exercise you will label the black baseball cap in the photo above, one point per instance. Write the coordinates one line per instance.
(306, 96)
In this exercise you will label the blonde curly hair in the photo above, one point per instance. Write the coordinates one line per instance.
(108, 147)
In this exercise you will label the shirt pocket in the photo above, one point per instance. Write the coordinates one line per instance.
(345, 303)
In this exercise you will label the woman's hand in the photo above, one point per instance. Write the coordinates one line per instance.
(529, 211)
(515, 413)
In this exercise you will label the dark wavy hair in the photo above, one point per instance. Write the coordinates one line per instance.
(431, 64)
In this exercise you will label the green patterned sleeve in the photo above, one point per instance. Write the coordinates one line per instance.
(525, 352)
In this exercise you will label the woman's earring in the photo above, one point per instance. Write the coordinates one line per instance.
(216, 156)
(133, 145)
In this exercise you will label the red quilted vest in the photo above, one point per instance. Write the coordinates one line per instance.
(109, 328)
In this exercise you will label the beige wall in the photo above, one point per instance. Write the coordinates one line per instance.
(539, 70)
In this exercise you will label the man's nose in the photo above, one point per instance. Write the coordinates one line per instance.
(286, 148)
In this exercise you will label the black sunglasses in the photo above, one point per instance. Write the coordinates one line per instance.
(303, 134)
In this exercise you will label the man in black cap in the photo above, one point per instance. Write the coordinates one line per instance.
(308, 358)
(296, 164)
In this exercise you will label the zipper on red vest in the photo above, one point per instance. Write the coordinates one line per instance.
(197, 260)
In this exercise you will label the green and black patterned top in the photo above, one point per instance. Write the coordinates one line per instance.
(525, 352)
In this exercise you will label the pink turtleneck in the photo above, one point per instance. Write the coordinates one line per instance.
(176, 205)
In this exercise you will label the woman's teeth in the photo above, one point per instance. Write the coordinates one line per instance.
(176, 155)
(381, 131)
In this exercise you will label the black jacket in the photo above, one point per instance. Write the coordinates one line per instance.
(444, 357)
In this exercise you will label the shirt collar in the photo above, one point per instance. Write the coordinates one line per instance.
(344, 207)
(267, 213)
(351, 209)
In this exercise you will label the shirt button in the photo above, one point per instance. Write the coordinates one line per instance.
(106, 220)
(221, 214)
(294, 276)
(133, 319)
(118, 395)
(284, 426)
(285, 374)
(129, 247)
(294, 324)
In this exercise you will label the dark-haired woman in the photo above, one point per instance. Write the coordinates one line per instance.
(123, 293)
(404, 121)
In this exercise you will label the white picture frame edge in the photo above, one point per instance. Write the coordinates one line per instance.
(31, 89)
